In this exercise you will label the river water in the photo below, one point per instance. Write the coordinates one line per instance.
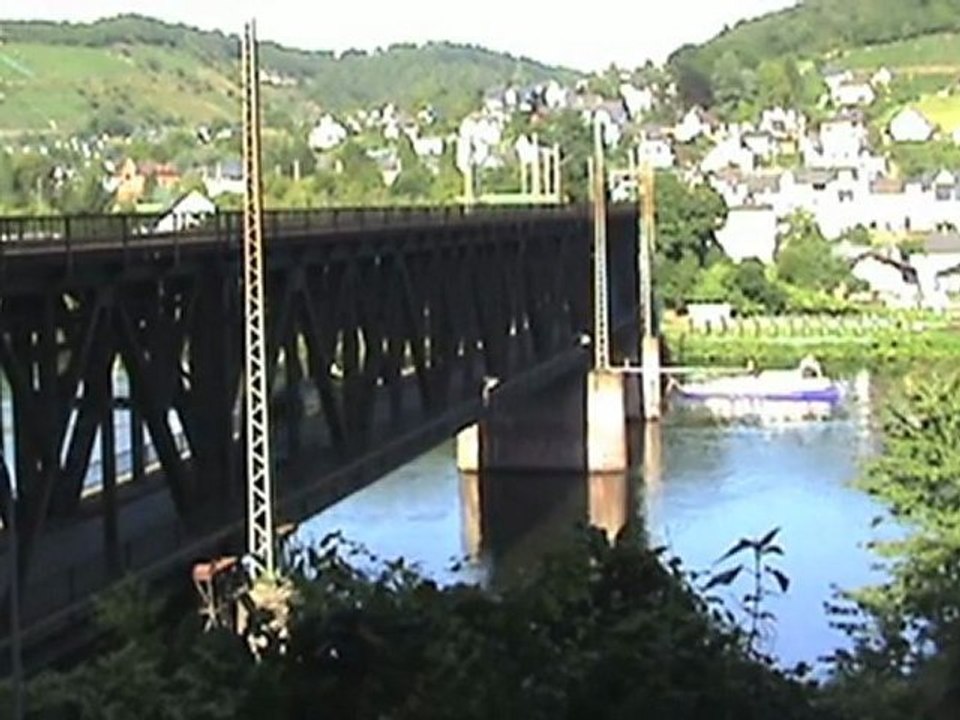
(703, 486)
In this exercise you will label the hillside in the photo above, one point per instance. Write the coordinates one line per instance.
(132, 71)
(825, 30)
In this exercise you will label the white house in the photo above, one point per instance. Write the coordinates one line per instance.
(428, 146)
(835, 77)
(936, 267)
(782, 123)
(226, 179)
(186, 213)
(881, 78)
(555, 96)
(761, 144)
(639, 101)
(612, 116)
(749, 232)
(853, 94)
(910, 125)
(693, 125)
(327, 134)
(728, 153)
(656, 151)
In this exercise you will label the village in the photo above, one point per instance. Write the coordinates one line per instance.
(898, 231)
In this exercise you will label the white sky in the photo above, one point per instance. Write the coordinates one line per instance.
(585, 35)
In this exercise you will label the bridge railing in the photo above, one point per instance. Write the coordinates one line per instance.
(117, 228)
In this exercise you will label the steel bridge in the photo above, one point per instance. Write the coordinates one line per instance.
(121, 360)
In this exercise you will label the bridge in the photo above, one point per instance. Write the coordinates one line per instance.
(390, 330)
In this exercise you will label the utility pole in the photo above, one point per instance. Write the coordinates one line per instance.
(649, 343)
(260, 539)
(601, 320)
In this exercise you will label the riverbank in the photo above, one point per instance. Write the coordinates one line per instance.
(841, 345)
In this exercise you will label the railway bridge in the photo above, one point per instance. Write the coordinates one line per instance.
(389, 330)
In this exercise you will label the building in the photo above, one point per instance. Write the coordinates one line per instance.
(326, 134)
(187, 212)
(656, 151)
(910, 125)
(130, 183)
(853, 94)
(225, 178)
(696, 123)
(430, 146)
(728, 153)
(638, 101)
(750, 231)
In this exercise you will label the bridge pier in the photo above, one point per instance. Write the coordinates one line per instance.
(575, 425)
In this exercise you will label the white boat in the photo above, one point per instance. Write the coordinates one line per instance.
(801, 393)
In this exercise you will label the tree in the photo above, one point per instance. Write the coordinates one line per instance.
(687, 219)
(806, 259)
(415, 183)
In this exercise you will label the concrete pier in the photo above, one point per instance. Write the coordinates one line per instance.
(577, 425)
(651, 392)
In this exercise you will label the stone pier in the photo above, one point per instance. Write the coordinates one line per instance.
(576, 425)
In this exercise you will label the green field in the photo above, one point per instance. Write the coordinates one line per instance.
(64, 87)
(930, 53)
(943, 111)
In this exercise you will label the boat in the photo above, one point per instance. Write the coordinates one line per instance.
(800, 393)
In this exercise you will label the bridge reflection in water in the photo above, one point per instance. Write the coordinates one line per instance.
(500, 524)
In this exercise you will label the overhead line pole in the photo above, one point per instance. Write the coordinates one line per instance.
(260, 538)
(601, 318)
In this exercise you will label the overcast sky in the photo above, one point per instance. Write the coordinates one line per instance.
(585, 35)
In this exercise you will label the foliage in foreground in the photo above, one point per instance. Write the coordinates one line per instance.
(598, 631)
(906, 662)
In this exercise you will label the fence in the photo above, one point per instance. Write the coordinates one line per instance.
(819, 325)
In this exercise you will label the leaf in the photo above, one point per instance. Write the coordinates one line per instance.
(768, 538)
(724, 578)
(742, 545)
(782, 580)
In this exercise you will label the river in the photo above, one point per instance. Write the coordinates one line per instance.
(703, 487)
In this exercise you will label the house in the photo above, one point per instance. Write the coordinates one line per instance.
(326, 134)
(478, 136)
(853, 94)
(638, 101)
(749, 232)
(937, 266)
(840, 142)
(612, 116)
(655, 150)
(130, 183)
(555, 96)
(761, 144)
(431, 146)
(910, 125)
(889, 276)
(187, 212)
(834, 77)
(728, 153)
(226, 178)
(882, 78)
(781, 123)
(695, 123)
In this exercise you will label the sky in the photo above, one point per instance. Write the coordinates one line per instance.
(586, 36)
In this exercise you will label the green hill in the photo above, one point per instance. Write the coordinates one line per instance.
(903, 33)
(132, 71)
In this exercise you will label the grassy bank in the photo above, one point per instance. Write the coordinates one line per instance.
(840, 346)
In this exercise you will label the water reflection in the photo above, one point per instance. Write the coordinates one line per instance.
(501, 523)
(702, 486)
